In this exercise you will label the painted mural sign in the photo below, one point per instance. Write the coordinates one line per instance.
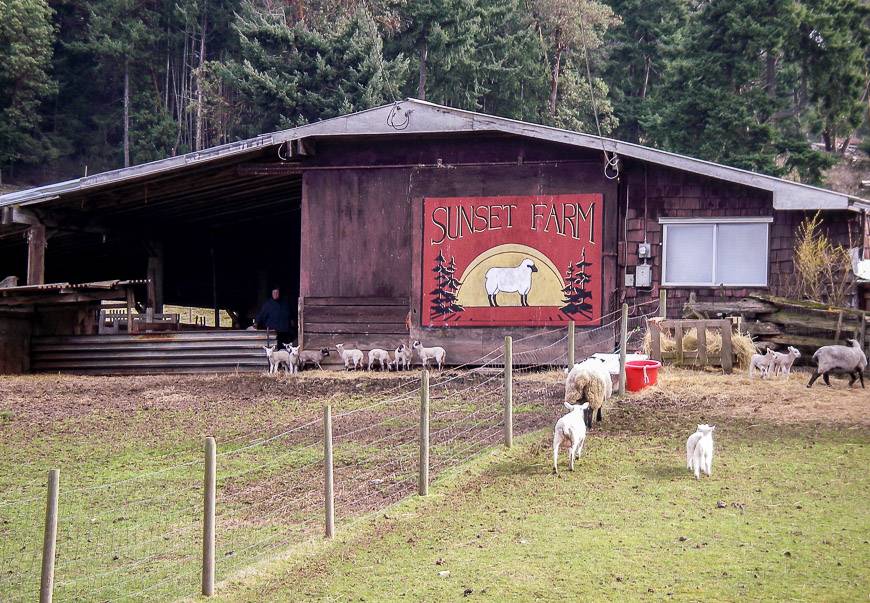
(512, 261)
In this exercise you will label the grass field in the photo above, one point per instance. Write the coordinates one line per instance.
(131, 461)
(784, 517)
(630, 523)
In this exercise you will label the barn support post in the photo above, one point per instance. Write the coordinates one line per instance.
(36, 243)
(328, 485)
(155, 276)
(208, 512)
(570, 345)
(214, 290)
(663, 302)
(49, 541)
(623, 342)
(508, 392)
(423, 486)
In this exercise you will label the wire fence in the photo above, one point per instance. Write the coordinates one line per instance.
(140, 537)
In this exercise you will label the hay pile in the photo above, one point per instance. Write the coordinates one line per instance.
(740, 343)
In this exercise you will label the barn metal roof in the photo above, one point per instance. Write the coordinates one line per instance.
(413, 116)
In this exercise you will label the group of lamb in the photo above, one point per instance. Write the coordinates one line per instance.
(591, 381)
(293, 359)
(849, 359)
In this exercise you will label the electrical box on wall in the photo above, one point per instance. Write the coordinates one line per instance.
(629, 280)
(643, 275)
(644, 250)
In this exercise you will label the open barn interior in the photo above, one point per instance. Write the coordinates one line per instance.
(218, 236)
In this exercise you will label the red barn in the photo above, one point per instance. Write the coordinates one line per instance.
(407, 221)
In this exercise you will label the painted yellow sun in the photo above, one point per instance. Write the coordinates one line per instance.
(546, 285)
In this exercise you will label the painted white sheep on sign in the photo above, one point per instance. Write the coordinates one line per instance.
(517, 279)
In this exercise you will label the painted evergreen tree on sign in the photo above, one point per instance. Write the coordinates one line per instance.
(444, 295)
(575, 292)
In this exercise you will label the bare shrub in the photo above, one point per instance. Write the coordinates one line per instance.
(823, 270)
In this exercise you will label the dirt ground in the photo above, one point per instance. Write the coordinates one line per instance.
(39, 405)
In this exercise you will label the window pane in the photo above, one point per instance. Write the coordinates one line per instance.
(689, 253)
(741, 253)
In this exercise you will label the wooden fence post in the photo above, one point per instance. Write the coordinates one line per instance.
(423, 486)
(508, 392)
(727, 349)
(208, 509)
(663, 302)
(329, 493)
(46, 584)
(623, 342)
(571, 328)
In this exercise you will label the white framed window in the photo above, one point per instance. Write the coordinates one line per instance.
(709, 252)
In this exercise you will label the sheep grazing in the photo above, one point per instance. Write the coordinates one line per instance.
(401, 358)
(312, 357)
(762, 363)
(517, 279)
(840, 359)
(288, 357)
(589, 381)
(437, 354)
(381, 356)
(782, 363)
(351, 357)
(570, 428)
(699, 451)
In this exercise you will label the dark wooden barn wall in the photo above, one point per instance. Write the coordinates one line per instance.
(362, 227)
(672, 193)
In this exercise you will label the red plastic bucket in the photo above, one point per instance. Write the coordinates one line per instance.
(641, 373)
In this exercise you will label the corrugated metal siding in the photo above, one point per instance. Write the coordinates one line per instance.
(204, 352)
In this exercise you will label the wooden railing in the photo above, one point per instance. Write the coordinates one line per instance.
(699, 357)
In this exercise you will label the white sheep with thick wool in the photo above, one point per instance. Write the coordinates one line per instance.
(589, 381)
(517, 279)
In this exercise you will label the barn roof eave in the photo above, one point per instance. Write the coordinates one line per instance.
(413, 116)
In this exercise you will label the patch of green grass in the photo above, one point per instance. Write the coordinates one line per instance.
(631, 523)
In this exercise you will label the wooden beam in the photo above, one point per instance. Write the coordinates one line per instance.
(36, 255)
(155, 277)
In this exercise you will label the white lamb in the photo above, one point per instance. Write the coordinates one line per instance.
(782, 363)
(570, 428)
(510, 280)
(401, 358)
(379, 355)
(438, 354)
(840, 358)
(289, 357)
(351, 357)
(589, 381)
(699, 451)
(761, 362)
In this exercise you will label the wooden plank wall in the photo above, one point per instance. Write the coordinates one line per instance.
(15, 335)
(362, 227)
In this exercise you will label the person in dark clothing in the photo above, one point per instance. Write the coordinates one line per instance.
(275, 315)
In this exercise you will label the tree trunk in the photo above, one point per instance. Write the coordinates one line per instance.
(770, 74)
(829, 141)
(126, 113)
(199, 124)
(424, 57)
(647, 67)
(554, 82)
